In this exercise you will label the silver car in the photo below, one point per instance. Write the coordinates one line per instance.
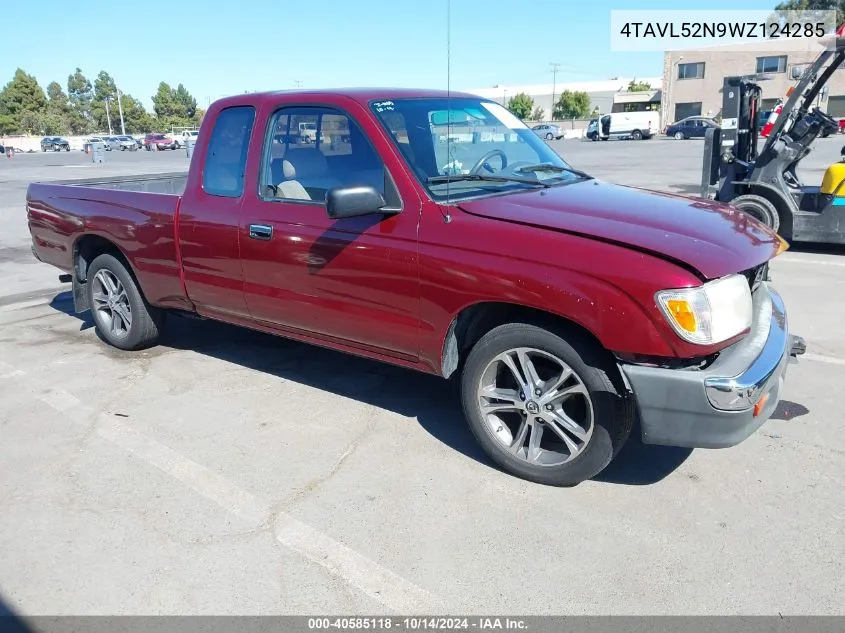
(121, 143)
(548, 131)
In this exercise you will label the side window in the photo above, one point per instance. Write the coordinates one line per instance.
(225, 160)
(310, 150)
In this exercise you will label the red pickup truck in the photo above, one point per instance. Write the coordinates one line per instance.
(437, 232)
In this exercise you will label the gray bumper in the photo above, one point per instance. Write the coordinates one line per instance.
(715, 407)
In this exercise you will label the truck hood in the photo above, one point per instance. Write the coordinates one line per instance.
(708, 237)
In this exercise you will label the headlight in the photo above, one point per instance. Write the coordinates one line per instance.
(711, 313)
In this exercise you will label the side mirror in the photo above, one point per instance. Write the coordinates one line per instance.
(350, 202)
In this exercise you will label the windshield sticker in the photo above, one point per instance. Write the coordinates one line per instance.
(503, 114)
(383, 106)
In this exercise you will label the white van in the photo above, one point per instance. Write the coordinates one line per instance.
(632, 125)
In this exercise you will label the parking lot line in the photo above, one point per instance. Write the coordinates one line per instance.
(377, 582)
(821, 358)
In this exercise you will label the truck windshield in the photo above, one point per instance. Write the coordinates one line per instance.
(470, 147)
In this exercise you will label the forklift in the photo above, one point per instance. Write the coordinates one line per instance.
(765, 184)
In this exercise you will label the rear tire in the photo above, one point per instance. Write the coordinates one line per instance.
(637, 135)
(679, 136)
(550, 136)
(758, 208)
(577, 437)
(122, 316)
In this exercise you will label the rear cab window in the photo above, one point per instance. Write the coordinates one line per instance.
(225, 160)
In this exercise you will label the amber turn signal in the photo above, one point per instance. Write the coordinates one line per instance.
(760, 404)
(681, 311)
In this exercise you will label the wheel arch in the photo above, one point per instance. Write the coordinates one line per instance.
(86, 248)
(476, 319)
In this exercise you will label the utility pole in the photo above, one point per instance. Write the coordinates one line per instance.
(108, 115)
(120, 108)
(555, 66)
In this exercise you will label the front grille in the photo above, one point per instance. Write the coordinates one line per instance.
(756, 275)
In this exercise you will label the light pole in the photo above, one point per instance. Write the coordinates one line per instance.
(505, 97)
(120, 108)
(108, 115)
(555, 66)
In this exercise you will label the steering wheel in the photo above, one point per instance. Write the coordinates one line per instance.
(826, 118)
(482, 162)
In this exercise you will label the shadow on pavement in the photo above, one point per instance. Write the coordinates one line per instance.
(639, 464)
(10, 621)
(434, 402)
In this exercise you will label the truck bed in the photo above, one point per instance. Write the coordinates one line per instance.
(136, 214)
(169, 183)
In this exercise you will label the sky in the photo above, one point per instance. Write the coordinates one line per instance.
(223, 47)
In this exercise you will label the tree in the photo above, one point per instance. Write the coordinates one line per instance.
(81, 95)
(538, 114)
(175, 108)
(20, 100)
(104, 91)
(521, 105)
(186, 102)
(572, 105)
(57, 117)
(814, 5)
(638, 86)
(135, 117)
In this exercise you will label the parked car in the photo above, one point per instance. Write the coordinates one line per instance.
(548, 131)
(563, 306)
(121, 143)
(100, 139)
(159, 141)
(690, 127)
(624, 125)
(180, 139)
(55, 144)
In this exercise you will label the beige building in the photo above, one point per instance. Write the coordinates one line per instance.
(693, 79)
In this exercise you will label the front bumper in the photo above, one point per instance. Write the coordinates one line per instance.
(725, 403)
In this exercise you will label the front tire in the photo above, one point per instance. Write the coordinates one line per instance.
(550, 136)
(544, 408)
(122, 316)
(679, 136)
(758, 208)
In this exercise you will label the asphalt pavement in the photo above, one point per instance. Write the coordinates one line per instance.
(230, 472)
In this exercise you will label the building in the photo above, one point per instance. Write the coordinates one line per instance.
(609, 95)
(693, 79)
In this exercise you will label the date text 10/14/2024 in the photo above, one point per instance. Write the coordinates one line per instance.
(418, 623)
(751, 30)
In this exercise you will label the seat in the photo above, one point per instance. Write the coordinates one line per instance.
(290, 188)
(311, 169)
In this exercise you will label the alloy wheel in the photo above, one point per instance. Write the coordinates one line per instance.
(536, 406)
(111, 303)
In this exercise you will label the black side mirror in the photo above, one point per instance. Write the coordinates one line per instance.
(349, 202)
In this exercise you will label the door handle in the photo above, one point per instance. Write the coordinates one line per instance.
(260, 231)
